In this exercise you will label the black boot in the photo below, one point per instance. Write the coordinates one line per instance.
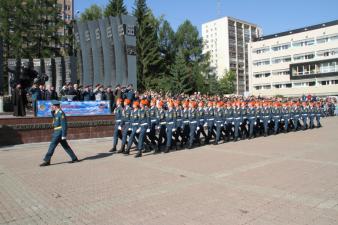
(113, 149)
(122, 149)
(126, 152)
(139, 154)
(45, 164)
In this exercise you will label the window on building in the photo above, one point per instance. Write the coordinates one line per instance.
(280, 72)
(327, 52)
(261, 62)
(302, 43)
(304, 56)
(261, 50)
(282, 59)
(281, 47)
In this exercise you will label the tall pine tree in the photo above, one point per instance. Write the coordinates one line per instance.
(180, 75)
(147, 46)
(115, 8)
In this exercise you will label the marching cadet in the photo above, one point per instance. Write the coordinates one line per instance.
(319, 113)
(311, 115)
(266, 115)
(259, 121)
(59, 135)
(209, 112)
(251, 116)
(192, 123)
(143, 126)
(186, 126)
(170, 119)
(161, 126)
(230, 120)
(134, 126)
(286, 112)
(275, 114)
(226, 130)
(219, 123)
(295, 115)
(126, 113)
(201, 122)
(153, 121)
(118, 111)
(237, 113)
(304, 116)
(243, 129)
(179, 124)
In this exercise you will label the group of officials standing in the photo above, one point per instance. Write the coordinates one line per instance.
(155, 125)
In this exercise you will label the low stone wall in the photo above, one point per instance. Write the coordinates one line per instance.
(29, 129)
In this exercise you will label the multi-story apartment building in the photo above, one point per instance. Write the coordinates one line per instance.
(66, 8)
(296, 62)
(226, 40)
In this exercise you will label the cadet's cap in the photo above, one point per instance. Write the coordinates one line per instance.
(177, 103)
(119, 100)
(136, 103)
(144, 102)
(55, 102)
(219, 104)
(126, 101)
(201, 104)
(160, 103)
(210, 104)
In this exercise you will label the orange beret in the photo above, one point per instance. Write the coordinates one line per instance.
(126, 101)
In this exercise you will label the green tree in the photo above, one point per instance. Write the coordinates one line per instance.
(227, 82)
(147, 45)
(115, 8)
(187, 38)
(180, 75)
(166, 45)
(94, 12)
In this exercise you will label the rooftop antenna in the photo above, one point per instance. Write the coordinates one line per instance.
(219, 8)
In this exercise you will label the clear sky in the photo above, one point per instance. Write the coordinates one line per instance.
(272, 16)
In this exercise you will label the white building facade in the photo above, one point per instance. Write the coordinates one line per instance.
(226, 40)
(296, 62)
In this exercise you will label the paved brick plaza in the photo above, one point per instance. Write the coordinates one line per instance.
(284, 179)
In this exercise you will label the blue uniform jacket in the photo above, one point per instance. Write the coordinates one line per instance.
(60, 123)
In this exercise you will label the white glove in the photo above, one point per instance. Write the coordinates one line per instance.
(129, 129)
(148, 130)
(268, 121)
(198, 128)
(233, 123)
(222, 125)
(205, 125)
(120, 128)
(63, 138)
(138, 130)
(173, 129)
(255, 123)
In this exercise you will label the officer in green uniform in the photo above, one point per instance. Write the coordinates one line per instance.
(59, 135)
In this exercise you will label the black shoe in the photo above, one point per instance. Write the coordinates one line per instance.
(236, 139)
(189, 146)
(139, 154)
(126, 152)
(74, 160)
(166, 150)
(113, 149)
(121, 150)
(45, 164)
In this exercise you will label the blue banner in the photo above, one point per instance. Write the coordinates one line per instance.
(85, 108)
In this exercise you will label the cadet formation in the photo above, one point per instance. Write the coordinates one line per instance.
(162, 126)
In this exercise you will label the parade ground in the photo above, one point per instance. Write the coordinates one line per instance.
(285, 179)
